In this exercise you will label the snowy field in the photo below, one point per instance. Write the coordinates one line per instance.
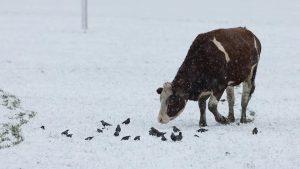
(73, 80)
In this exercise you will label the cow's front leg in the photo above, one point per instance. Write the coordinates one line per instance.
(213, 106)
(202, 107)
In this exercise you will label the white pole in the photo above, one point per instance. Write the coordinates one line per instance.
(84, 15)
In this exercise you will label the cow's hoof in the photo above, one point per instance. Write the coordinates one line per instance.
(244, 120)
(222, 120)
(231, 118)
(202, 123)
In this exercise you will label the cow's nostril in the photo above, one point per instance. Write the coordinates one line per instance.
(160, 120)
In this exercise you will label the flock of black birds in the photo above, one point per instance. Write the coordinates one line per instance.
(174, 137)
(104, 124)
(152, 132)
(117, 130)
(157, 133)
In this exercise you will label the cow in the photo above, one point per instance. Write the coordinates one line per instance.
(216, 61)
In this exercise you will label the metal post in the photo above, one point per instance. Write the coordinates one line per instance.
(84, 15)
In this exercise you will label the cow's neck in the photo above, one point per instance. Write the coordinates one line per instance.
(188, 85)
(182, 84)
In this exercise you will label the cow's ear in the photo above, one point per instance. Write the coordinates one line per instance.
(159, 90)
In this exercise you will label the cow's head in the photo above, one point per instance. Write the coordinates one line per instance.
(171, 104)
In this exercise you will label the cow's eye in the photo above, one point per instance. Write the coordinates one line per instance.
(172, 100)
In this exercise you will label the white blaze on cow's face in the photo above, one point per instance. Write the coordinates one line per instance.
(171, 105)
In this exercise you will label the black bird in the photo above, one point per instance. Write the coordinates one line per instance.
(66, 132)
(125, 138)
(155, 132)
(159, 134)
(89, 138)
(69, 135)
(43, 127)
(104, 124)
(175, 129)
(127, 121)
(99, 131)
(173, 137)
(202, 130)
(179, 137)
(163, 138)
(116, 134)
(254, 131)
(137, 138)
(118, 129)
(176, 138)
(196, 135)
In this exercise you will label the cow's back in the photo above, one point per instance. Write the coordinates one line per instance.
(218, 58)
(230, 52)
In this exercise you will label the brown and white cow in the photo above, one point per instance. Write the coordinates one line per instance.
(216, 61)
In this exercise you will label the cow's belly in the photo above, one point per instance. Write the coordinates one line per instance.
(237, 71)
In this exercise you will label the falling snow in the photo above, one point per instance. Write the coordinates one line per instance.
(73, 80)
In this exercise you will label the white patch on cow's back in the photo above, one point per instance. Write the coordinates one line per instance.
(255, 45)
(221, 48)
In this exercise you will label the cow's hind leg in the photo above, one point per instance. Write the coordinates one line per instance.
(213, 106)
(230, 99)
(248, 89)
(202, 107)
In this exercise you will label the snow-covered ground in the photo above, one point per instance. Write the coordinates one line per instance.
(73, 80)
